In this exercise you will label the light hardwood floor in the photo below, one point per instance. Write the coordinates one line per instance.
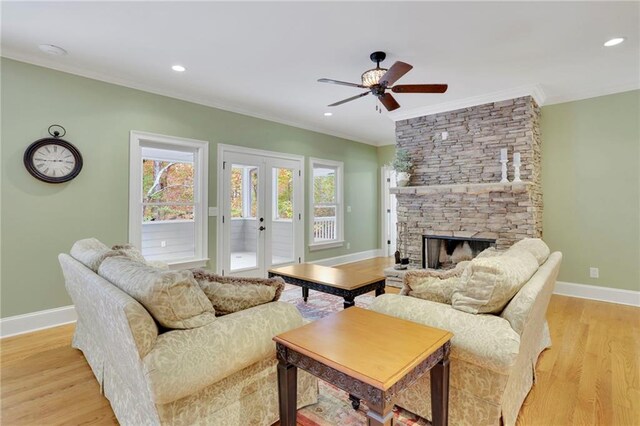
(591, 375)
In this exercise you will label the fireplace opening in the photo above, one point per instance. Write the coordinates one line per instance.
(443, 252)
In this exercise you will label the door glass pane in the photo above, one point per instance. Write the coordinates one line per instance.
(282, 235)
(244, 224)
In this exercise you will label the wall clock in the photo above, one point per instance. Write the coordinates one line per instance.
(53, 160)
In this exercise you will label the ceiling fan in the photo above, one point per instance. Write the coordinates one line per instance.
(378, 80)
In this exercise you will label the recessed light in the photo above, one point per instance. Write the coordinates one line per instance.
(614, 41)
(328, 114)
(178, 68)
(52, 50)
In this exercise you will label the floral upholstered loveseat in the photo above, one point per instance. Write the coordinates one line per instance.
(220, 373)
(493, 355)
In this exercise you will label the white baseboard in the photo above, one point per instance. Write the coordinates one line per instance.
(603, 294)
(349, 258)
(20, 324)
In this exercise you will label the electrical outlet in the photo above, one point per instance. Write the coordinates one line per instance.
(163, 244)
(348, 209)
(348, 246)
(594, 272)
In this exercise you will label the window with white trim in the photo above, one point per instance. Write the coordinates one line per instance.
(326, 212)
(168, 198)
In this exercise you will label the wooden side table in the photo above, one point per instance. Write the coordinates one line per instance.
(371, 356)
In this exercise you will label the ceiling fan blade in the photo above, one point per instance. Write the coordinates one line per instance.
(342, 83)
(353, 98)
(394, 73)
(389, 102)
(419, 88)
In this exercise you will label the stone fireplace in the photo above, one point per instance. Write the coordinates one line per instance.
(455, 190)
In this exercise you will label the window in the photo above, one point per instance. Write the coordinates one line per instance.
(326, 228)
(168, 198)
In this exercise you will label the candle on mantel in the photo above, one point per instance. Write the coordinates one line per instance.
(516, 159)
(503, 154)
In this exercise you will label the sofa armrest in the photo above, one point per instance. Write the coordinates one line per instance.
(183, 362)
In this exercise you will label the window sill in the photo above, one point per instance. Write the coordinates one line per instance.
(325, 245)
(188, 263)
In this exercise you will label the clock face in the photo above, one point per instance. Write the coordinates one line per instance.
(53, 160)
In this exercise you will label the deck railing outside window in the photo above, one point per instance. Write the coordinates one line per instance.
(324, 228)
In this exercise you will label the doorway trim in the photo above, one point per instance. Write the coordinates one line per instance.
(239, 149)
(387, 181)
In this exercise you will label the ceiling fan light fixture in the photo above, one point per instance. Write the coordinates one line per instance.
(372, 77)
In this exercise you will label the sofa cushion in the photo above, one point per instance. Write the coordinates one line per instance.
(484, 340)
(489, 283)
(433, 284)
(183, 362)
(538, 248)
(233, 294)
(91, 252)
(173, 298)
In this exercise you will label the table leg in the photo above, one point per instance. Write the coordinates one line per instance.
(355, 401)
(440, 392)
(305, 294)
(348, 302)
(380, 419)
(287, 383)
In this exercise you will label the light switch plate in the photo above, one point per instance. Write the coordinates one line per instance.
(594, 272)
(213, 211)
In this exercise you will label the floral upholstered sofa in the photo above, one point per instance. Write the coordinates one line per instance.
(495, 306)
(203, 369)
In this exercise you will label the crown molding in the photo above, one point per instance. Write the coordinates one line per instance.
(534, 91)
(93, 75)
(594, 93)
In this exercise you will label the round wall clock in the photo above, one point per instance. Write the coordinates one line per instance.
(53, 160)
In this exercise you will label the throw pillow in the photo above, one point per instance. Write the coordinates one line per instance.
(489, 283)
(233, 294)
(434, 285)
(133, 253)
(538, 248)
(91, 252)
(173, 298)
(488, 252)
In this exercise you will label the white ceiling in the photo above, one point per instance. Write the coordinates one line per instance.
(263, 59)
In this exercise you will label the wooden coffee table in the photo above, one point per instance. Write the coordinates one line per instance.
(371, 356)
(339, 282)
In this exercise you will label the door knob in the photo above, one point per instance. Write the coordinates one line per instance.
(262, 228)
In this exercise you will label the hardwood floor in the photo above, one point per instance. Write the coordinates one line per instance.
(591, 375)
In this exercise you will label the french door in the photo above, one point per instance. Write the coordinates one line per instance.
(261, 215)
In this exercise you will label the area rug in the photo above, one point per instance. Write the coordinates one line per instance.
(319, 304)
(333, 407)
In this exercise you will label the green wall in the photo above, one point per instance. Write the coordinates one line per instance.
(385, 154)
(591, 186)
(40, 220)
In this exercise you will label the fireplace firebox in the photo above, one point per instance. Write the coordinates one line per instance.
(443, 252)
